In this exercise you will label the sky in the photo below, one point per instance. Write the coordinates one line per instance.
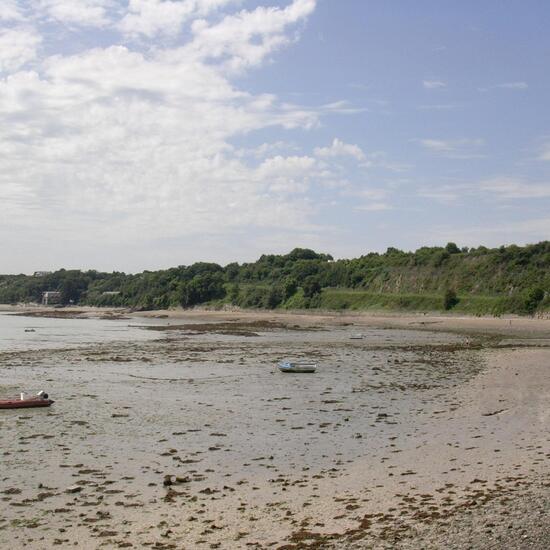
(145, 134)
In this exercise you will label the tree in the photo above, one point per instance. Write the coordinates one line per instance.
(290, 286)
(72, 286)
(303, 254)
(450, 299)
(311, 286)
(451, 248)
(274, 297)
(201, 288)
(232, 271)
(533, 297)
(439, 257)
(234, 292)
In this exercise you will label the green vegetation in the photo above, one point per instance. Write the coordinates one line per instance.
(450, 299)
(478, 281)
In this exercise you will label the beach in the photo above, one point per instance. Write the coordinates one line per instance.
(174, 429)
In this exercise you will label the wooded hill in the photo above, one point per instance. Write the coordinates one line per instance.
(509, 279)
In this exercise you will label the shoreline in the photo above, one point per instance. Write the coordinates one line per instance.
(390, 444)
(506, 325)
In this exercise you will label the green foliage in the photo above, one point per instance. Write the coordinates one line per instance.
(451, 248)
(311, 286)
(254, 297)
(234, 293)
(274, 297)
(203, 287)
(290, 286)
(533, 297)
(508, 279)
(450, 299)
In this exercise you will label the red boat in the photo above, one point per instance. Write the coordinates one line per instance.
(40, 400)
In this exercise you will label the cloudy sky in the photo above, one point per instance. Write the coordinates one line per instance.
(142, 134)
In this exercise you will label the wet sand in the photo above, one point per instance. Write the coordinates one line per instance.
(430, 431)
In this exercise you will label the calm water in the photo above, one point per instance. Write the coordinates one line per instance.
(58, 333)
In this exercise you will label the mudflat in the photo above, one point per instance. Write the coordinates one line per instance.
(176, 430)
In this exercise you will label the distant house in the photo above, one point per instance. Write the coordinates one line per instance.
(51, 297)
(41, 273)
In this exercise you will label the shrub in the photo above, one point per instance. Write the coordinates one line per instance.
(290, 286)
(451, 248)
(274, 297)
(311, 287)
(533, 297)
(450, 299)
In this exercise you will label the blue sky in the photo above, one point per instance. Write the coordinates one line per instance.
(144, 134)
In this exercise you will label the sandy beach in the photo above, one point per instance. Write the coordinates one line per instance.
(176, 430)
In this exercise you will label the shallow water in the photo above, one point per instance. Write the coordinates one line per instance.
(18, 333)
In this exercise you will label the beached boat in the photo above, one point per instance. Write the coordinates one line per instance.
(23, 402)
(297, 366)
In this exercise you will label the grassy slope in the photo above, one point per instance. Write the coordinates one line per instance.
(340, 299)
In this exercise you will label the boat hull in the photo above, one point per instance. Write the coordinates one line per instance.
(292, 368)
(24, 403)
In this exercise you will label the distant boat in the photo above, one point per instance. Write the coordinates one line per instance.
(297, 366)
(29, 330)
(39, 400)
(356, 337)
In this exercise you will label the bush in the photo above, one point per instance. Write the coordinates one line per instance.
(274, 297)
(311, 287)
(254, 297)
(450, 299)
(234, 293)
(290, 286)
(451, 248)
(533, 297)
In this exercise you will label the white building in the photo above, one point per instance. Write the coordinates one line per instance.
(51, 297)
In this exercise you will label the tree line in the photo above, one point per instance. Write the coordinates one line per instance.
(518, 274)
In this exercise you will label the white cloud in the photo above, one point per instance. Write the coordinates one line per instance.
(286, 174)
(17, 47)
(79, 12)
(152, 17)
(245, 39)
(434, 84)
(115, 142)
(9, 11)
(340, 149)
(515, 188)
(465, 148)
(265, 149)
(343, 107)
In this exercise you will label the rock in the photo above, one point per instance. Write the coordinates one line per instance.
(12, 491)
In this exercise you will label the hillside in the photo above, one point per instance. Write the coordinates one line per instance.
(510, 279)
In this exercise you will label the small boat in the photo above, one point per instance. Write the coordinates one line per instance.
(29, 330)
(356, 337)
(297, 366)
(24, 402)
